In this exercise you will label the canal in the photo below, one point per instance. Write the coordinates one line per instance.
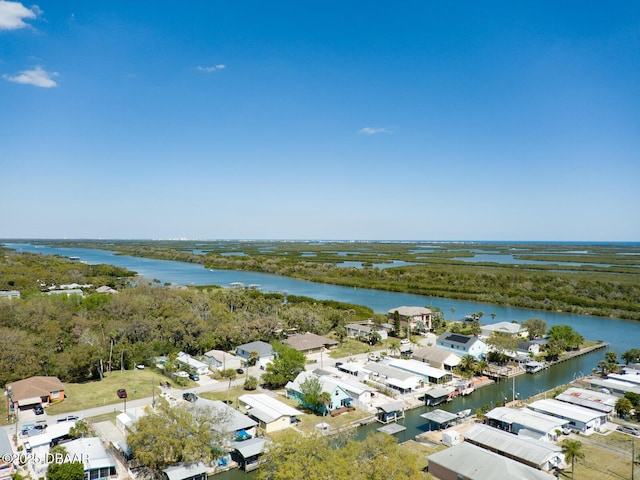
(621, 335)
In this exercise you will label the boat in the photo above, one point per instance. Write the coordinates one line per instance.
(534, 367)
(464, 413)
(437, 395)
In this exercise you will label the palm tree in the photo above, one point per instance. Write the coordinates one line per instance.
(453, 310)
(324, 400)
(572, 449)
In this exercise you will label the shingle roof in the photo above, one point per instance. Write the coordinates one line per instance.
(35, 387)
(308, 341)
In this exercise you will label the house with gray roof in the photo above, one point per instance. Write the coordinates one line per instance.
(309, 342)
(271, 414)
(581, 419)
(437, 358)
(470, 462)
(234, 422)
(263, 349)
(185, 471)
(601, 402)
(339, 397)
(401, 380)
(462, 344)
(540, 455)
(99, 463)
(526, 422)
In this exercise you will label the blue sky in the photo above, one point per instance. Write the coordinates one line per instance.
(320, 120)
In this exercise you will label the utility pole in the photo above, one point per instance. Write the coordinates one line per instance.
(633, 458)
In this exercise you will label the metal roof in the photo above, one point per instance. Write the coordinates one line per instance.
(531, 452)
(529, 419)
(439, 416)
(392, 428)
(249, 448)
(184, 470)
(475, 463)
(588, 398)
(565, 410)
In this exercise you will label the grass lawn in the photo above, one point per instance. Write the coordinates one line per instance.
(79, 396)
(350, 347)
(606, 457)
(232, 395)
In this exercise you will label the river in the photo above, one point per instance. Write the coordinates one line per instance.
(621, 335)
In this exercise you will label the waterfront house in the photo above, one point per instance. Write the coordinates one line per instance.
(437, 358)
(615, 387)
(598, 401)
(526, 422)
(400, 380)
(470, 462)
(309, 342)
(271, 414)
(504, 328)
(359, 392)
(351, 368)
(234, 423)
(263, 349)
(462, 344)
(541, 455)
(99, 463)
(33, 391)
(581, 419)
(221, 360)
(427, 372)
(339, 397)
(416, 318)
(185, 471)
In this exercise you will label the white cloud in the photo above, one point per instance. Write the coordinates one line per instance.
(13, 14)
(37, 77)
(374, 131)
(211, 69)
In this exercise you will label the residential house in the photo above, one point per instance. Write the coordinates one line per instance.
(8, 466)
(106, 289)
(615, 387)
(470, 462)
(504, 328)
(541, 455)
(598, 401)
(191, 364)
(99, 463)
(462, 344)
(364, 329)
(581, 419)
(358, 391)
(32, 391)
(526, 422)
(339, 397)
(235, 424)
(309, 342)
(417, 318)
(271, 414)
(185, 471)
(437, 358)
(221, 360)
(427, 372)
(263, 349)
(391, 377)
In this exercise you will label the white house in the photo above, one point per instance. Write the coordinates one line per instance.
(427, 372)
(581, 419)
(598, 401)
(437, 357)
(418, 318)
(99, 464)
(401, 380)
(506, 328)
(264, 350)
(221, 360)
(462, 344)
(525, 422)
(271, 414)
(192, 364)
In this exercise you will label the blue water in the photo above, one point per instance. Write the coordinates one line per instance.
(508, 259)
(622, 335)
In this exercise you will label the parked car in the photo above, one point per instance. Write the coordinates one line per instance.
(182, 374)
(69, 418)
(26, 428)
(122, 393)
(41, 425)
(190, 396)
(374, 357)
(38, 410)
(405, 341)
(194, 376)
(239, 370)
(629, 430)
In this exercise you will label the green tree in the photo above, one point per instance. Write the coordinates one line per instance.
(475, 328)
(572, 449)
(631, 356)
(311, 389)
(61, 468)
(565, 336)
(623, 407)
(341, 333)
(80, 429)
(253, 359)
(251, 383)
(397, 324)
(178, 434)
(453, 310)
(536, 327)
(284, 368)
(230, 374)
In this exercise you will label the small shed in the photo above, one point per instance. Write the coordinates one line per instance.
(392, 429)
